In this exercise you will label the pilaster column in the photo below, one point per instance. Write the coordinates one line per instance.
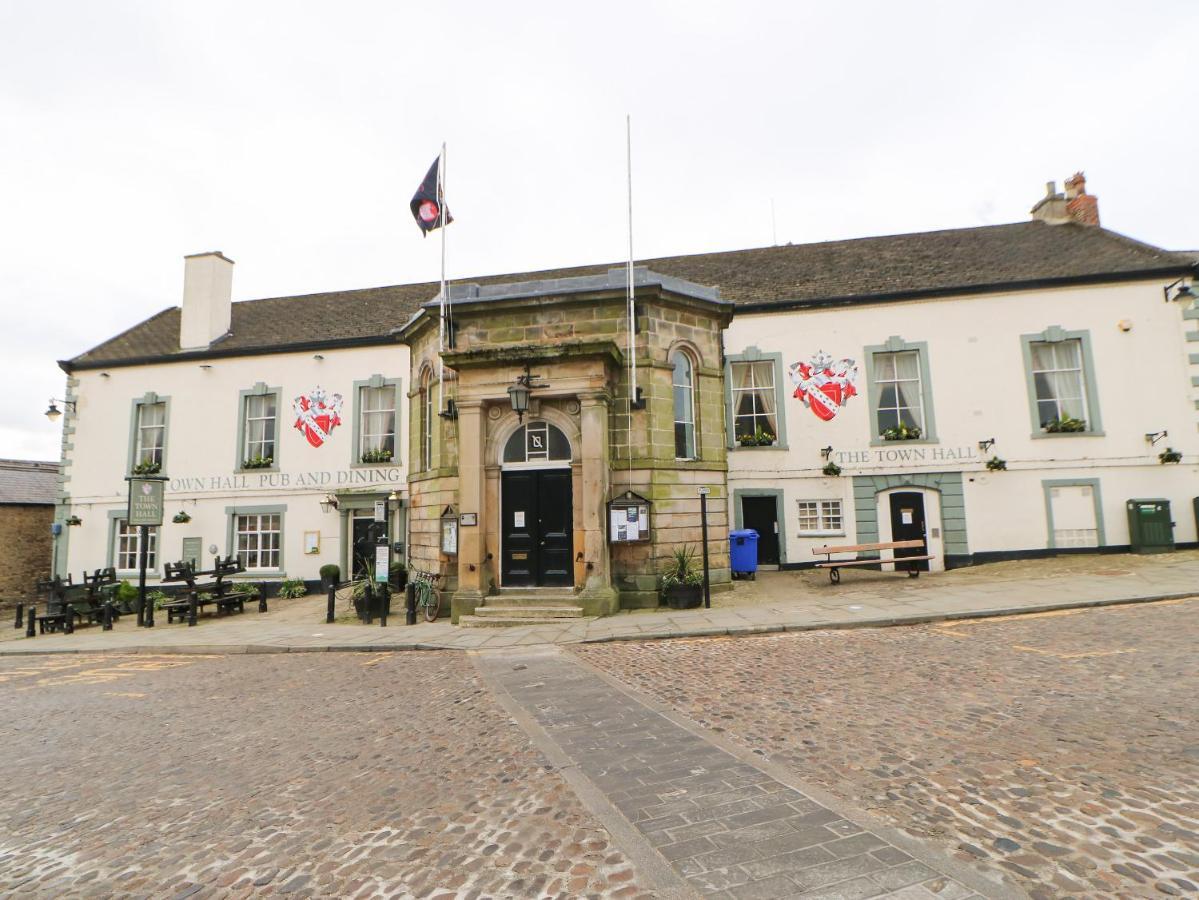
(471, 499)
(598, 596)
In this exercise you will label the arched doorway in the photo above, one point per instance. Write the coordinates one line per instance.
(536, 503)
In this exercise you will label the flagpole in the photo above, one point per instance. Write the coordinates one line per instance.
(441, 207)
(632, 310)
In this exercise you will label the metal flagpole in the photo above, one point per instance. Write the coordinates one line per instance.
(442, 294)
(628, 125)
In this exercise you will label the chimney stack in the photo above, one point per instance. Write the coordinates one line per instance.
(1076, 205)
(207, 299)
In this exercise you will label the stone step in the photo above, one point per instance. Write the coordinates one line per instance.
(497, 622)
(529, 612)
(526, 598)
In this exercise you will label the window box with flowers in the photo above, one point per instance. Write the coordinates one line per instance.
(258, 462)
(901, 432)
(379, 455)
(1064, 425)
(759, 438)
(146, 467)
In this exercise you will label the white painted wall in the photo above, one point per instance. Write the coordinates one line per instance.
(202, 451)
(979, 391)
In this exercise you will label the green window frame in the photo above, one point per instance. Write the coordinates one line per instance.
(246, 436)
(258, 516)
(365, 420)
(874, 389)
(140, 433)
(1055, 334)
(752, 355)
(1047, 486)
(130, 540)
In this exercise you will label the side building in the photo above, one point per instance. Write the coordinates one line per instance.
(28, 490)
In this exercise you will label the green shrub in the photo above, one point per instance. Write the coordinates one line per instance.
(291, 588)
(831, 469)
(1066, 424)
(258, 462)
(682, 568)
(126, 593)
(156, 598)
(242, 587)
(331, 572)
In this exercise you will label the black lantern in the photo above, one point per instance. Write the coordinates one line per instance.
(518, 394)
(54, 412)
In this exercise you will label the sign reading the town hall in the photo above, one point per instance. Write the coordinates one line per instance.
(317, 414)
(824, 384)
(145, 501)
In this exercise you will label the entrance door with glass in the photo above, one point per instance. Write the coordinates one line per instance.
(907, 524)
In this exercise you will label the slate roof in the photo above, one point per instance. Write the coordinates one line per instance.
(28, 483)
(874, 269)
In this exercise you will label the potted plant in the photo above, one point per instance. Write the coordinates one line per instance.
(73, 520)
(831, 469)
(399, 575)
(901, 432)
(330, 575)
(291, 588)
(1169, 455)
(682, 582)
(381, 455)
(258, 462)
(995, 464)
(1064, 425)
(181, 518)
(146, 467)
(760, 438)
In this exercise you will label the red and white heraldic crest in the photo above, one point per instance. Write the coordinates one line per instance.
(317, 414)
(824, 384)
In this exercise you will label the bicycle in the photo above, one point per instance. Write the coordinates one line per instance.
(428, 598)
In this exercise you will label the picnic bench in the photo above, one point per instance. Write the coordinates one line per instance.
(834, 566)
(89, 602)
(218, 592)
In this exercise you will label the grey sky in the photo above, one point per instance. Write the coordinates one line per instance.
(291, 135)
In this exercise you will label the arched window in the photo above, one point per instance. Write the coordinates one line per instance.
(426, 421)
(684, 405)
(536, 442)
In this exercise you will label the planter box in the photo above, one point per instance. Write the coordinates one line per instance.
(683, 596)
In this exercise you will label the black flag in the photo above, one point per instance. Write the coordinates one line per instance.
(427, 203)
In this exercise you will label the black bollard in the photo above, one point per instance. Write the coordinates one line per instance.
(262, 597)
(149, 613)
(410, 603)
(29, 623)
(20, 615)
(384, 605)
(107, 616)
(68, 619)
(329, 604)
(191, 609)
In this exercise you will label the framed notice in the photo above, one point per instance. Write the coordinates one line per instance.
(628, 519)
(145, 501)
(382, 562)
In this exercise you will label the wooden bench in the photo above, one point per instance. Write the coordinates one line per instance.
(59, 615)
(834, 566)
(218, 593)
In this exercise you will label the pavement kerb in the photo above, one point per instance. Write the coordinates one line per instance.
(700, 631)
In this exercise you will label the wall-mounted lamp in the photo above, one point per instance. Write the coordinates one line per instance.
(986, 445)
(451, 409)
(329, 503)
(205, 366)
(518, 394)
(826, 452)
(1154, 436)
(317, 356)
(54, 412)
(1184, 291)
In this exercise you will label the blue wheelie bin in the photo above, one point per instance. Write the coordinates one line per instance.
(743, 553)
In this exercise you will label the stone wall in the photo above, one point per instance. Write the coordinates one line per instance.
(26, 551)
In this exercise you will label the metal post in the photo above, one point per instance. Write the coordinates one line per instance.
(410, 603)
(68, 619)
(191, 608)
(262, 607)
(29, 623)
(20, 616)
(329, 605)
(703, 520)
(108, 615)
(143, 549)
(384, 605)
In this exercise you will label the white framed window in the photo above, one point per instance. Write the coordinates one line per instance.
(426, 422)
(820, 517)
(258, 537)
(900, 394)
(754, 396)
(127, 546)
(1059, 382)
(377, 423)
(151, 433)
(261, 426)
(683, 382)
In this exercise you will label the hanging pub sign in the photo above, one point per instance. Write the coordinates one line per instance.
(628, 519)
(145, 501)
(449, 531)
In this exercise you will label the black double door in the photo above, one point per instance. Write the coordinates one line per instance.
(762, 515)
(362, 550)
(537, 530)
(907, 524)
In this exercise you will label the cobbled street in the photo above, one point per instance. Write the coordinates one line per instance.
(346, 775)
(1061, 747)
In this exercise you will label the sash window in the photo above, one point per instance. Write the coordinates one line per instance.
(151, 433)
(258, 540)
(900, 397)
(683, 382)
(261, 419)
(1058, 378)
(128, 546)
(378, 423)
(754, 399)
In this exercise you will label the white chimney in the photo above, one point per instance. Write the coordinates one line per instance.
(207, 299)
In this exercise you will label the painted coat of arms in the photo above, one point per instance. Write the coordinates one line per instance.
(317, 414)
(824, 384)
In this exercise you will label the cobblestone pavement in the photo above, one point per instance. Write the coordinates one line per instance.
(348, 775)
(1062, 747)
(731, 829)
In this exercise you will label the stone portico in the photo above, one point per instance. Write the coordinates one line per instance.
(539, 488)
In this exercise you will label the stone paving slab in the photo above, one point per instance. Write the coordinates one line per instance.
(874, 605)
(727, 826)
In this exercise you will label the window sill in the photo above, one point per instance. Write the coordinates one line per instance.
(1039, 435)
(759, 447)
(911, 442)
(242, 471)
(393, 463)
(821, 534)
